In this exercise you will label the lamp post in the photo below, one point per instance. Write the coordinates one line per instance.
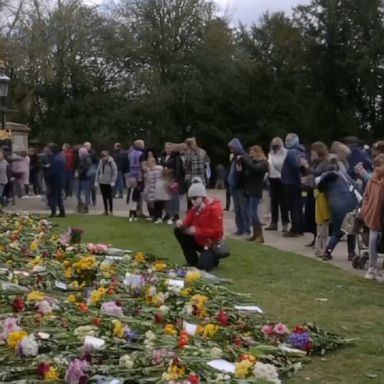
(4, 85)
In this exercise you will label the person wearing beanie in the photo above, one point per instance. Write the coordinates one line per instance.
(202, 229)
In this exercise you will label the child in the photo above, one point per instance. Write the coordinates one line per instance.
(133, 198)
(163, 197)
(3, 176)
(153, 173)
(323, 217)
(373, 215)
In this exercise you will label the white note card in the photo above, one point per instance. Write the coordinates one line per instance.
(61, 285)
(176, 283)
(222, 366)
(248, 308)
(95, 342)
(190, 328)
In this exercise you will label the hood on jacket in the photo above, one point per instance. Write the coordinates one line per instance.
(298, 147)
(236, 146)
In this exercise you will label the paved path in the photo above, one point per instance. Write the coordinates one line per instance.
(274, 239)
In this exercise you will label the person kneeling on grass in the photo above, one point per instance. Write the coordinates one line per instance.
(202, 229)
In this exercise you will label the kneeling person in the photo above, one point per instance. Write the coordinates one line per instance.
(202, 228)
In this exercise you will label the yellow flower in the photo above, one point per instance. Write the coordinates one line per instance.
(97, 295)
(37, 261)
(35, 296)
(14, 338)
(140, 257)
(193, 276)
(160, 266)
(1, 248)
(170, 329)
(186, 292)
(67, 264)
(75, 284)
(243, 369)
(68, 273)
(87, 263)
(52, 374)
(118, 329)
(34, 246)
(72, 299)
(210, 330)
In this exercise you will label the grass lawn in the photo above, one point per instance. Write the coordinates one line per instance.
(286, 286)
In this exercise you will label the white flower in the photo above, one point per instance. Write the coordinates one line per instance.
(266, 372)
(44, 307)
(29, 346)
(164, 309)
(216, 353)
(149, 335)
(126, 362)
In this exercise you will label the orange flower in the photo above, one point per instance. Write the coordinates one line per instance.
(83, 307)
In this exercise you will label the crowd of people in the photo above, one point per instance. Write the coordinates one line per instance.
(312, 189)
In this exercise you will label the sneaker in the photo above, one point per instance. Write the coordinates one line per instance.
(170, 222)
(131, 219)
(285, 228)
(327, 256)
(158, 221)
(379, 277)
(371, 273)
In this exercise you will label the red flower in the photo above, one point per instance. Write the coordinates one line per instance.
(238, 341)
(299, 329)
(223, 318)
(42, 369)
(97, 322)
(18, 304)
(183, 339)
(118, 303)
(159, 318)
(83, 307)
(308, 346)
(194, 379)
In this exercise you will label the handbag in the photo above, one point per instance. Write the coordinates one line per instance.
(221, 249)
(91, 172)
(351, 223)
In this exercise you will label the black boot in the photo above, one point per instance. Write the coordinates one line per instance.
(253, 237)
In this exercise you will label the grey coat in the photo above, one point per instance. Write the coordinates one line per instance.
(106, 172)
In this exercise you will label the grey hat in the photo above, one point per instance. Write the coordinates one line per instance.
(197, 189)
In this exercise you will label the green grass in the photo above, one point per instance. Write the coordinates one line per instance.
(286, 286)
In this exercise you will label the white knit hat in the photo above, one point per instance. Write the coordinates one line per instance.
(197, 189)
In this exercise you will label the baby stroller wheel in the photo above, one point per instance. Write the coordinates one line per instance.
(356, 262)
(363, 260)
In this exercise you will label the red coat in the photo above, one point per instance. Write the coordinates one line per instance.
(373, 206)
(208, 222)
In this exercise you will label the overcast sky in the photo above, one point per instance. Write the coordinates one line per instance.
(248, 11)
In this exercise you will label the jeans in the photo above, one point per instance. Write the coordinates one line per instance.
(374, 237)
(294, 201)
(119, 186)
(175, 205)
(69, 176)
(34, 178)
(207, 260)
(254, 210)
(240, 202)
(106, 193)
(85, 187)
(55, 199)
(278, 201)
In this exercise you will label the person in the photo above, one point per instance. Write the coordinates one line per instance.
(221, 175)
(152, 174)
(106, 175)
(341, 201)
(236, 184)
(55, 178)
(373, 215)
(361, 172)
(69, 157)
(133, 198)
(163, 197)
(201, 229)
(19, 171)
(34, 170)
(171, 160)
(276, 160)
(194, 163)
(291, 179)
(357, 156)
(136, 158)
(3, 176)
(319, 164)
(119, 158)
(92, 170)
(255, 168)
(84, 178)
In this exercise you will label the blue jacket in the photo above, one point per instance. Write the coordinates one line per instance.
(56, 170)
(291, 174)
(358, 155)
(234, 177)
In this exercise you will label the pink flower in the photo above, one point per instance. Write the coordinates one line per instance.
(267, 330)
(9, 325)
(281, 329)
(76, 372)
(110, 308)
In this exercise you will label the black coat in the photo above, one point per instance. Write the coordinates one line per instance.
(254, 173)
(175, 163)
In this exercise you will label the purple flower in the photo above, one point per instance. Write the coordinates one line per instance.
(76, 372)
(110, 308)
(300, 340)
(9, 325)
(130, 335)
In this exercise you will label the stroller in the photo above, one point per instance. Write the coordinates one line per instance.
(354, 225)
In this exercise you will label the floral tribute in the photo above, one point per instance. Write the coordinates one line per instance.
(87, 313)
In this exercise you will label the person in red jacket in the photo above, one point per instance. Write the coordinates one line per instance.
(201, 229)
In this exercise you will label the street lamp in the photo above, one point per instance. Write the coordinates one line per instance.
(4, 85)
